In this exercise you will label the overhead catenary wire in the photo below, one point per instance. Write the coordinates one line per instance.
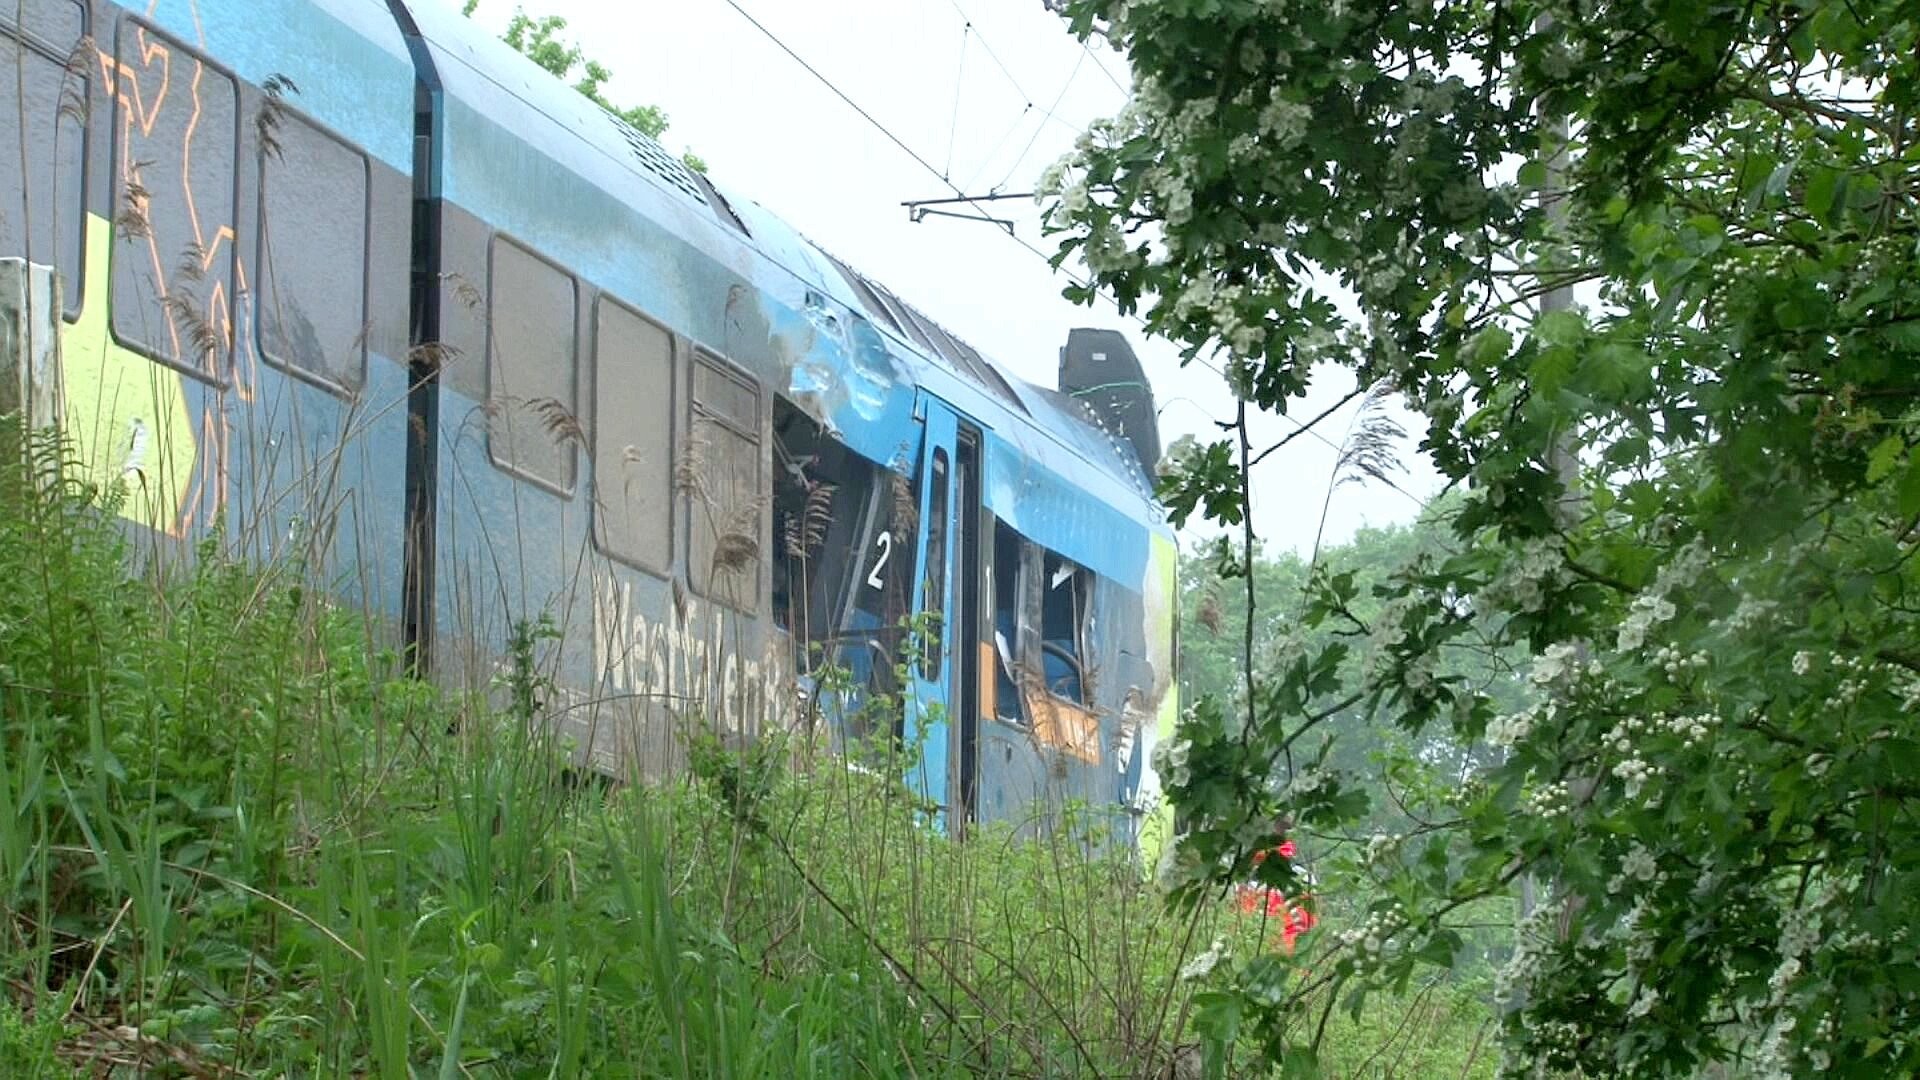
(1117, 84)
(1059, 8)
(991, 55)
(959, 80)
(1041, 126)
(985, 215)
(974, 180)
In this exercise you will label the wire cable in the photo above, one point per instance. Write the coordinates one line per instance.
(959, 80)
(974, 180)
(985, 215)
(1041, 126)
(1117, 84)
(991, 55)
(837, 92)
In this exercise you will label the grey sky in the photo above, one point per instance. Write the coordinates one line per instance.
(975, 104)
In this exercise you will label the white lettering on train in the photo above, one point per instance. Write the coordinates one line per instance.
(704, 661)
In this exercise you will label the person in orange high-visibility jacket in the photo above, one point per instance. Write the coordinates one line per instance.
(1295, 917)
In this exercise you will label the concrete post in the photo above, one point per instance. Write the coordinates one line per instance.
(30, 343)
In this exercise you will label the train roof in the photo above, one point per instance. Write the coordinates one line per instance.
(1079, 430)
(905, 350)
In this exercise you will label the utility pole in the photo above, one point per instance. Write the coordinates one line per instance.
(1563, 457)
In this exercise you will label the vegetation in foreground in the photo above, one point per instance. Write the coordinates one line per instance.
(234, 841)
(1649, 271)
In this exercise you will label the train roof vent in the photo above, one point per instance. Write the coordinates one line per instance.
(654, 158)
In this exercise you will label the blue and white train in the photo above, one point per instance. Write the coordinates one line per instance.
(354, 284)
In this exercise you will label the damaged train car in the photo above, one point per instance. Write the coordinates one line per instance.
(350, 283)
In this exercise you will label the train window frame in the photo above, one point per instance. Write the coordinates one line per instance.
(1056, 571)
(697, 411)
(1007, 576)
(933, 661)
(882, 570)
(31, 41)
(664, 567)
(262, 259)
(814, 472)
(221, 374)
(491, 361)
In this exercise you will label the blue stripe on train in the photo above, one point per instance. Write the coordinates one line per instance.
(346, 57)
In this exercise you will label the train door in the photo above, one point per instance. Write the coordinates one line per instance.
(940, 680)
(969, 631)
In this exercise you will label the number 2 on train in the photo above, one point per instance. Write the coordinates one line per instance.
(885, 543)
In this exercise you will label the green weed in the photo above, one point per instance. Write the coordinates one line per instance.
(235, 839)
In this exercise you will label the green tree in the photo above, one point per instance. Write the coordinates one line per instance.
(539, 40)
(1213, 643)
(1692, 497)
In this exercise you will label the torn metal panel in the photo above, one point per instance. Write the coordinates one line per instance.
(1064, 726)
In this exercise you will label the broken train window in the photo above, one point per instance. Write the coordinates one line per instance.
(1065, 600)
(1007, 553)
(880, 592)
(1042, 606)
(820, 495)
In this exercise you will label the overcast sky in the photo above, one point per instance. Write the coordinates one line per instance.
(990, 107)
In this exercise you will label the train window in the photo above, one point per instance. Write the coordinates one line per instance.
(936, 599)
(633, 396)
(821, 491)
(1066, 591)
(173, 205)
(531, 348)
(313, 255)
(882, 584)
(1008, 549)
(724, 513)
(54, 141)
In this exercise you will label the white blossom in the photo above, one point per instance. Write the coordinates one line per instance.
(1648, 610)
(1170, 761)
(1306, 782)
(1558, 664)
(1551, 800)
(1639, 864)
(1203, 964)
(1509, 730)
(1378, 846)
(1635, 772)
(1752, 614)
(1284, 122)
(1373, 939)
(1525, 580)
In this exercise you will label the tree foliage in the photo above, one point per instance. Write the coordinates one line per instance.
(1692, 497)
(539, 40)
(1213, 625)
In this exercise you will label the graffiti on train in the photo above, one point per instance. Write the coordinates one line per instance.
(690, 659)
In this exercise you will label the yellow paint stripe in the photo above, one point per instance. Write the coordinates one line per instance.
(126, 414)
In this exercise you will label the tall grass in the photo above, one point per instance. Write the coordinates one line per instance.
(235, 840)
